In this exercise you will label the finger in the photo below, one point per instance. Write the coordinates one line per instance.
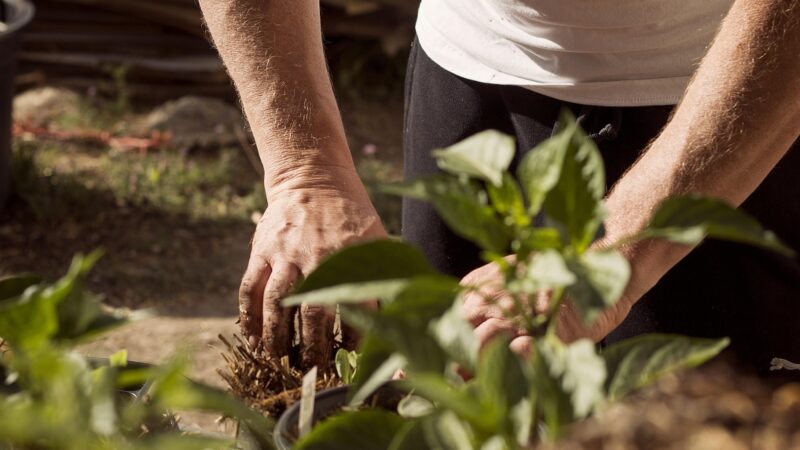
(278, 329)
(477, 308)
(251, 294)
(316, 336)
(521, 345)
(494, 327)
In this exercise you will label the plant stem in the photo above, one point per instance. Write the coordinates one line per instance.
(552, 322)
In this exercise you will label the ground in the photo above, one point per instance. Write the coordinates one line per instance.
(175, 224)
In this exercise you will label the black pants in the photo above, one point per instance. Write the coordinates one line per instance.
(720, 289)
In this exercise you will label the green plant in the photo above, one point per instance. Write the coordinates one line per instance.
(53, 398)
(510, 401)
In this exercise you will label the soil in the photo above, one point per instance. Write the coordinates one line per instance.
(716, 407)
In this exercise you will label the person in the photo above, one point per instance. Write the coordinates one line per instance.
(682, 97)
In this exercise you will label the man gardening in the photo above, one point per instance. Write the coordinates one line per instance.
(682, 97)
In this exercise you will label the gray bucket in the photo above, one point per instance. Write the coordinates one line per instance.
(14, 16)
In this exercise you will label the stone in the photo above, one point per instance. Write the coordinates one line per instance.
(46, 105)
(195, 123)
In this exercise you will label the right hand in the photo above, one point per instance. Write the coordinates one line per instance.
(302, 225)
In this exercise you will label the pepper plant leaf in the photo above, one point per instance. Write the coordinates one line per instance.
(575, 201)
(374, 351)
(380, 376)
(349, 293)
(410, 437)
(456, 336)
(637, 362)
(462, 206)
(30, 320)
(372, 261)
(687, 220)
(601, 279)
(546, 270)
(444, 395)
(371, 429)
(419, 348)
(580, 372)
(501, 378)
(540, 169)
(445, 431)
(507, 200)
(485, 156)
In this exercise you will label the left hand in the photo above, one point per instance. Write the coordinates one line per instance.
(488, 309)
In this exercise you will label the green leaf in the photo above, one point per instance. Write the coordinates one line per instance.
(540, 169)
(102, 413)
(61, 311)
(14, 286)
(456, 337)
(172, 390)
(378, 377)
(434, 388)
(363, 430)
(77, 309)
(501, 377)
(28, 321)
(410, 437)
(372, 261)
(687, 220)
(637, 362)
(580, 371)
(446, 431)
(601, 279)
(484, 156)
(423, 299)
(349, 293)
(546, 270)
(522, 420)
(462, 208)
(507, 200)
(374, 351)
(575, 201)
(118, 359)
(422, 352)
(343, 367)
(495, 442)
(539, 239)
(413, 407)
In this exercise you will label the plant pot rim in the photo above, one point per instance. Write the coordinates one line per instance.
(330, 398)
(291, 414)
(20, 14)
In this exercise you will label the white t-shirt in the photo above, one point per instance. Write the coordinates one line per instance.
(593, 52)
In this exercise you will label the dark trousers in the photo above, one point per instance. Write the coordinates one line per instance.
(720, 289)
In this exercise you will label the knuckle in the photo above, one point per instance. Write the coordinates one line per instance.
(314, 312)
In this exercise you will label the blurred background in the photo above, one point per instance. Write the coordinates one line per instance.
(127, 136)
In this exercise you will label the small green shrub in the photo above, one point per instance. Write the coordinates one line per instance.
(510, 401)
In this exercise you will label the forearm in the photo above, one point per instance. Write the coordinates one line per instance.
(739, 116)
(273, 52)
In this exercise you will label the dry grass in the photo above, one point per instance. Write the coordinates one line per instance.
(266, 384)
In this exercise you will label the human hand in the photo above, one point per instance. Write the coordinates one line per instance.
(491, 310)
(302, 225)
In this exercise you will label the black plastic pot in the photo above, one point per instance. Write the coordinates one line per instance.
(14, 16)
(326, 404)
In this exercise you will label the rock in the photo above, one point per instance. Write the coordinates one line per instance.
(46, 105)
(195, 122)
